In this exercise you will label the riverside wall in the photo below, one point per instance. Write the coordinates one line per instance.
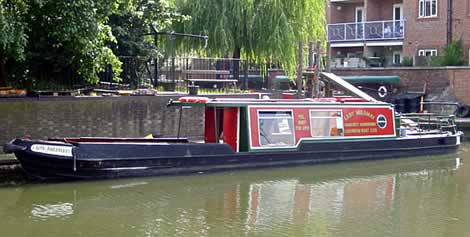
(129, 116)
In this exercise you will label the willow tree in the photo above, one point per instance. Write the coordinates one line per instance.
(263, 30)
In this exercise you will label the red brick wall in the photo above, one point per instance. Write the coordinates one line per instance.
(413, 79)
(346, 13)
(374, 11)
(422, 33)
(377, 10)
(461, 24)
(380, 10)
(459, 80)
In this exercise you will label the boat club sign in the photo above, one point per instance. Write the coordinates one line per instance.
(368, 122)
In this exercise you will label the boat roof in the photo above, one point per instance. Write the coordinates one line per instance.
(361, 98)
(243, 102)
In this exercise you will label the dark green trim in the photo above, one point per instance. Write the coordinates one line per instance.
(282, 78)
(397, 125)
(372, 79)
(244, 134)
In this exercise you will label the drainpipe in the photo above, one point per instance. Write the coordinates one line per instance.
(366, 8)
(449, 21)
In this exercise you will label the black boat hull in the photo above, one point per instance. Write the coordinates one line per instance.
(116, 160)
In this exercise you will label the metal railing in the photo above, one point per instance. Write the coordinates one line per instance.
(426, 123)
(205, 72)
(363, 62)
(368, 30)
(179, 72)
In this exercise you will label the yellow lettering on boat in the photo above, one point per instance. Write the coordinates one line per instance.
(369, 124)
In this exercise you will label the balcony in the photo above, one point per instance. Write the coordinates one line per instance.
(364, 31)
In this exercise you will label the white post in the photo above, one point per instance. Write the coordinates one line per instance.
(403, 32)
(383, 29)
(363, 31)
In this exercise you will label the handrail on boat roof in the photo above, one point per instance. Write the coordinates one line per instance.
(242, 102)
(329, 77)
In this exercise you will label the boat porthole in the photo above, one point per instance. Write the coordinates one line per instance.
(381, 121)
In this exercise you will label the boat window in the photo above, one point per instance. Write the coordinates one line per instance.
(276, 128)
(326, 123)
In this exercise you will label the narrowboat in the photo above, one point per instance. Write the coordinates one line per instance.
(250, 133)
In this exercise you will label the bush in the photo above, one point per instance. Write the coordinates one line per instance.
(407, 62)
(453, 55)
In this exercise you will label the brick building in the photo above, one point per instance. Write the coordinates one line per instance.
(363, 33)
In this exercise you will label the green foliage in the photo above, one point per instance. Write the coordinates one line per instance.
(453, 54)
(43, 40)
(435, 61)
(13, 38)
(73, 34)
(133, 21)
(264, 30)
(407, 62)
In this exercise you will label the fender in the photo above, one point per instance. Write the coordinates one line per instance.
(12, 148)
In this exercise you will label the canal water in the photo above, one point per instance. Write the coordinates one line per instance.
(426, 196)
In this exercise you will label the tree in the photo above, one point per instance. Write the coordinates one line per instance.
(40, 40)
(13, 38)
(264, 30)
(133, 20)
(72, 34)
(38, 37)
(131, 25)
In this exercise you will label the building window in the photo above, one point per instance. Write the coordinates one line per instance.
(276, 128)
(427, 52)
(468, 7)
(427, 8)
(396, 58)
(468, 57)
(326, 123)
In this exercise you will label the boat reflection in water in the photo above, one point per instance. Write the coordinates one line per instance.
(386, 196)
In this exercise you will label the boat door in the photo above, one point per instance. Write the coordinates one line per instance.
(221, 125)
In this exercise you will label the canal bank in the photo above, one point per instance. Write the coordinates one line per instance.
(11, 172)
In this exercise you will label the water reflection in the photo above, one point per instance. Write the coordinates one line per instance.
(415, 197)
(52, 210)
